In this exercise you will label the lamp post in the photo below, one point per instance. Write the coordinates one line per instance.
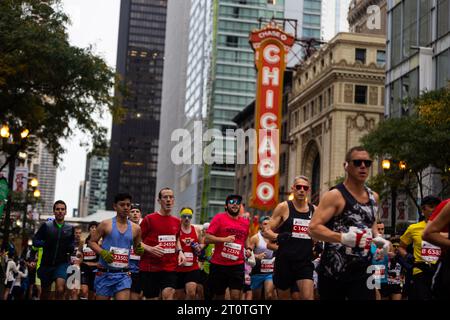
(386, 165)
(12, 147)
(35, 195)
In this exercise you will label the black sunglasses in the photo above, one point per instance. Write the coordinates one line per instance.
(184, 216)
(234, 201)
(301, 186)
(358, 163)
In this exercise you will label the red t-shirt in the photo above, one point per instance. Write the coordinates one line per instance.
(438, 210)
(186, 239)
(165, 230)
(229, 254)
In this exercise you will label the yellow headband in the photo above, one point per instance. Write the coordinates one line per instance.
(186, 211)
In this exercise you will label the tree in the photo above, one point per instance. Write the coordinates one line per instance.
(47, 85)
(419, 140)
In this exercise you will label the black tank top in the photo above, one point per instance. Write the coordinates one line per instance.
(299, 246)
(337, 259)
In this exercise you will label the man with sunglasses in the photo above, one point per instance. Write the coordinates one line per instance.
(293, 263)
(163, 252)
(345, 220)
(188, 274)
(229, 232)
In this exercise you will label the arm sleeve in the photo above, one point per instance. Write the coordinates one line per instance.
(406, 237)
(214, 226)
(39, 237)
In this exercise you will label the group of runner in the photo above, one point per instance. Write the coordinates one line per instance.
(336, 250)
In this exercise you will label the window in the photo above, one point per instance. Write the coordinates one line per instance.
(232, 41)
(320, 103)
(360, 55)
(361, 94)
(305, 114)
(381, 58)
(443, 20)
(443, 69)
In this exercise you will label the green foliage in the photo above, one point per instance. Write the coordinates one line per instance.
(47, 85)
(421, 140)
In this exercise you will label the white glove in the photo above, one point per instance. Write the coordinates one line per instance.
(251, 260)
(380, 242)
(356, 238)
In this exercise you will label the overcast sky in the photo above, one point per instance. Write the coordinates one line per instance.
(94, 22)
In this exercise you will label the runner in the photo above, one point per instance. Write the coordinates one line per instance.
(188, 274)
(113, 277)
(57, 240)
(345, 220)
(262, 273)
(11, 270)
(163, 253)
(136, 288)
(395, 273)
(432, 233)
(293, 263)
(88, 266)
(229, 233)
(426, 255)
(203, 291)
(75, 260)
(380, 259)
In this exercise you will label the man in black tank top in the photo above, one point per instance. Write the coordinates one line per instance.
(345, 221)
(288, 227)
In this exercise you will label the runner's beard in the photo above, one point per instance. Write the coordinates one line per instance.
(231, 212)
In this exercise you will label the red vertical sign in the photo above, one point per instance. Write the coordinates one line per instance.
(271, 46)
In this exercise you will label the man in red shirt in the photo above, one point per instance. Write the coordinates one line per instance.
(229, 232)
(163, 253)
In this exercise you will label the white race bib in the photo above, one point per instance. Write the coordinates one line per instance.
(189, 259)
(430, 252)
(300, 229)
(168, 243)
(267, 265)
(231, 250)
(120, 257)
(88, 253)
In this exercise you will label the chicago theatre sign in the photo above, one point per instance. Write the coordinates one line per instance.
(271, 46)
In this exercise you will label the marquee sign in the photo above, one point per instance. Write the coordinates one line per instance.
(271, 46)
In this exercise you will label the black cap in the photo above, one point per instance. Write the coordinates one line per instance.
(92, 223)
(233, 196)
(135, 206)
(430, 200)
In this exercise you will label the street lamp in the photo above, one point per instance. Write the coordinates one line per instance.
(386, 165)
(12, 148)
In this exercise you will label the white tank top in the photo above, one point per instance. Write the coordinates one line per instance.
(262, 247)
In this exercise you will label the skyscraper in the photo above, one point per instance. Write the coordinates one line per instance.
(134, 142)
(221, 82)
(46, 174)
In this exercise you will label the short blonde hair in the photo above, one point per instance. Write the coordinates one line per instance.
(300, 177)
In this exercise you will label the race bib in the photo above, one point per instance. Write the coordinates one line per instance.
(189, 259)
(380, 271)
(88, 254)
(300, 229)
(168, 243)
(231, 250)
(120, 257)
(430, 252)
(267, 265)
(133, 255)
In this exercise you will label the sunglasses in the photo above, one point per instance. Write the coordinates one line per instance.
(186, 216)
(358, 163)
(234, 201)
(301, 186)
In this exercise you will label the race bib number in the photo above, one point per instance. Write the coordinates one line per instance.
(189, 259)
(133, 255)
(300, 229)
(267, 265)
(231, 250)
(168, 243)
(88, 253)
(380, 271)
(120, 257)
(430, 252)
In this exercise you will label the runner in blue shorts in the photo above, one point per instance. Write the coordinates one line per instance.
(113, 278)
